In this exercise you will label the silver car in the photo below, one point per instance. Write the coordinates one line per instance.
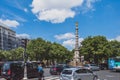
(77, 74)
(93, 67)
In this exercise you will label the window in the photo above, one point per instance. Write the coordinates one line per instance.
(81, 71)
(86, 65)
(89, 71)
(67, 72)
(17, 65)
(6, 67)
(93, 65)
(35, 65)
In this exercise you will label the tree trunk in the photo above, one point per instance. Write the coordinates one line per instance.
(95, 59)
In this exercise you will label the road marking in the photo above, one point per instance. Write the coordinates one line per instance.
(2, 79)
(102, 79)
(109, 76)
(51, 78)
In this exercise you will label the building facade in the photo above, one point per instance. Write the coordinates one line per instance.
(21, 42)
(7, 38)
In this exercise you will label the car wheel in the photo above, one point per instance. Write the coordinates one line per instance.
(95, 78)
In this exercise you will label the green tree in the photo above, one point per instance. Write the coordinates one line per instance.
(36, 49)
(7, 55)
(115, 48)
(93, 48)
(2, 57)
(59, 53)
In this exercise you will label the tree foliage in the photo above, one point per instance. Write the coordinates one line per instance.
(98, 48)
(95, 49)
(39, 49)
(14, 54)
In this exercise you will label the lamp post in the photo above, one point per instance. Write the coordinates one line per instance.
(25, 55)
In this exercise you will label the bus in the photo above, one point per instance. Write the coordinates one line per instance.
(114, 63)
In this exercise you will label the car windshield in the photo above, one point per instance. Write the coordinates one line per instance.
(93, 64)
(67, 72)
(6, 67)
(117, 59)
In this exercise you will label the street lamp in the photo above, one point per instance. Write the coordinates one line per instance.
(25, 56)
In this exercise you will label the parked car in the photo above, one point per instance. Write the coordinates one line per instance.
(103, 66)
(93, 67)
(57, 69)
(14, 70)
(77, 74)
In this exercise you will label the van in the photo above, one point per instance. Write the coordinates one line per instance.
(32, 70)
(14, 70)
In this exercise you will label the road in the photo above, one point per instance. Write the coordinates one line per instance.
(108, 75)
(102, 74)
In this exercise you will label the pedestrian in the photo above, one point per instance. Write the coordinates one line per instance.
(40, 71)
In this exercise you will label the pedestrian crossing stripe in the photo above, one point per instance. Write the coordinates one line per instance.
(51, 78)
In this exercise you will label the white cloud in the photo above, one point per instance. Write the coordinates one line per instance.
(55, 15)
(118, 38)
(1, 24)
(65, 36)
(25, 9)
(10, 23)
(55, 11)
(68, 40)
(70, 43)
(23, 36)
(89, 3)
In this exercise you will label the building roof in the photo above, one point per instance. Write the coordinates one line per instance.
(5, 26)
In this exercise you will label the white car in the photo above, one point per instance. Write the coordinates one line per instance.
(77, 74)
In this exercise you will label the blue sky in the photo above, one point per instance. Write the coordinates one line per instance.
(54, 20)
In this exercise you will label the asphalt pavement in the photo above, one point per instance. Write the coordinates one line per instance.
(102, 75)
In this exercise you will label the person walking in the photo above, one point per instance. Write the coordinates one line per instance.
(40, 71)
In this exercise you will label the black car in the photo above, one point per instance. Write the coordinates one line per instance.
(14, 70)
(57, 69)
(103, 66)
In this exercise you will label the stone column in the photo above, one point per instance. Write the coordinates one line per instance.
(76, 58)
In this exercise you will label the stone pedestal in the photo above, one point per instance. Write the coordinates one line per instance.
(73, 63)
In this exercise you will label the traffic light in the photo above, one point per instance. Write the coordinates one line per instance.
(25, 41)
